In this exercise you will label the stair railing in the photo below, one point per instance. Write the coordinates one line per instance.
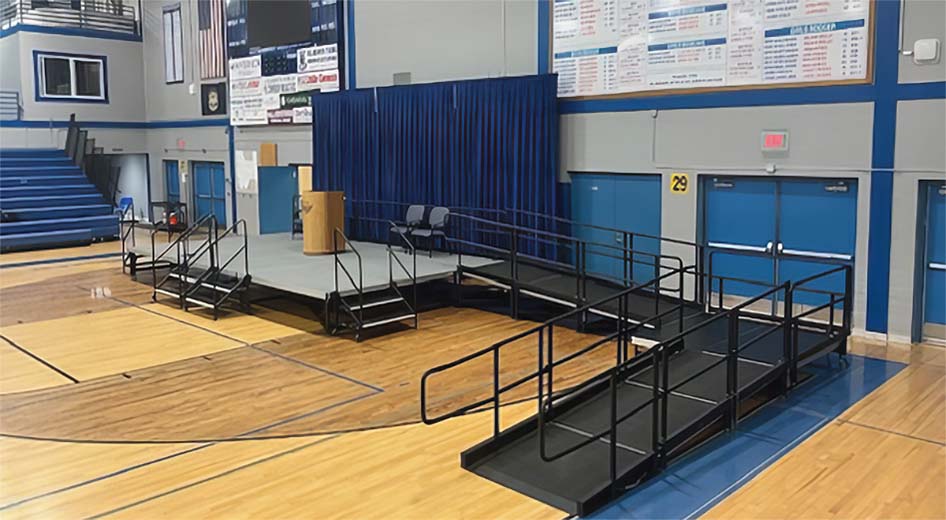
(844, 299)
(411, 274)
(126, 232)
(211, 276)
(359, 286)
(180, 249)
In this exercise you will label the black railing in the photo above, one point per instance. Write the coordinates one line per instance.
(181, 249)
(358, 286)
(539, 332)
(126, 225)
(100, 15)
(411, 274)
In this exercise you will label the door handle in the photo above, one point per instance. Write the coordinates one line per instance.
(618, 238)
(768, 247)
(779, 248)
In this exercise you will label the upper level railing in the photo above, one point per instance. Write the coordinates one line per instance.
(118, 16)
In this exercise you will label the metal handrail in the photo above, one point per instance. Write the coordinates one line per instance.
(495, 348)
(215, 268)
(180, 246)
(124, 234)
(410, 274)
(92, 14)
(359, 287)
(603, 228)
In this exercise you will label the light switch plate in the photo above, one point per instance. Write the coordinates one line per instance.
(926, 51)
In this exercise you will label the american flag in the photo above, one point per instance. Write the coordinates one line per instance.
(210, 25)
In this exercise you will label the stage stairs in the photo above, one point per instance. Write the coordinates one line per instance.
(190, 268)
(355, 308)
(590, 441)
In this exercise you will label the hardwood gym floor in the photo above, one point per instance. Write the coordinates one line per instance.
(144, 411)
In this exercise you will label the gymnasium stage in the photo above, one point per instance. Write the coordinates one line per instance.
(277, 262)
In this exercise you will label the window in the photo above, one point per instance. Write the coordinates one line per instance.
(70, 77)
(173, 46)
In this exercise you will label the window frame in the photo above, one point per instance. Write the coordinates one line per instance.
(175, 52)
(39, 77)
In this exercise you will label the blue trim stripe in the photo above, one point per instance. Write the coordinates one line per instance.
(350, 44)
(189, 123)
(886, 70)
(542, 60)
(70, 31)
(60, 260)
(912, 91)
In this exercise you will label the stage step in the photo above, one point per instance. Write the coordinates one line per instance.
(373, 309)
(57, 212)
(49, 239)
(82, 199)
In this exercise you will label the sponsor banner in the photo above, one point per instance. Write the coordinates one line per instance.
(247, 111)
(297, 99)
(245, 88)
(326, 81)
(279, 117)
(302, 115)
(313, 59)
(245, 68)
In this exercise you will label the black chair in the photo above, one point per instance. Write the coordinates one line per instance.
(296, 217)
(436, 224)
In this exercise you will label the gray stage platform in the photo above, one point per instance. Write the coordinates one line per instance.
(278, 262)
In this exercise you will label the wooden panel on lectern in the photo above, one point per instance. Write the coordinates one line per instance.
(305, 178)
(322, 213)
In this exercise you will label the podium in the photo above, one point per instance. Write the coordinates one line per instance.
(322, 213)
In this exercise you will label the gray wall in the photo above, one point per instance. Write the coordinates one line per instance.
(923, 19)
(444, 40)
(920, 155)
(126, 98)
(826, 141)
(10, 62)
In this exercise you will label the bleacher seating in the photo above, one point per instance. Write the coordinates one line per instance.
(46, 201)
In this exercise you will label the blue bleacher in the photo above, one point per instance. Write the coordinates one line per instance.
(46, 202)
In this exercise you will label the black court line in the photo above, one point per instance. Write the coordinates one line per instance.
(62, 260)
(204, 444)
(245, 344)
(49, 365)
(885, 430)
(214, 477)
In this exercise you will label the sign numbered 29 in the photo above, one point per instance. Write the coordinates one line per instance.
(679, 183)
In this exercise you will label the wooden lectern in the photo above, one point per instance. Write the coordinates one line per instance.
(322, 213)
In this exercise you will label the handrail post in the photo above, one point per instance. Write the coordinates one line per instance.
(613, 444)
(514, 292)
(848, 307)
(495, 392)
(655, 397)
(551, 363)
(787, 338)
(664, 403)
(732, 376)
(628, 258)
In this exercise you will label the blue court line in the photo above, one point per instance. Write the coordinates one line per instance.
(698, 481)
(59, 260)
(219, 475)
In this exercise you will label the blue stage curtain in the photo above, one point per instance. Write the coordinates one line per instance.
(488, 143)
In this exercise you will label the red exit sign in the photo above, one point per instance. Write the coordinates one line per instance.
(774, 141)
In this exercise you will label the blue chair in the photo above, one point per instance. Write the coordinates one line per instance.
(123, 205)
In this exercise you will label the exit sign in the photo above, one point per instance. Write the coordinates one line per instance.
(774, 141)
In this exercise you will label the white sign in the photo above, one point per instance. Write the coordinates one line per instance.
(312, 59)
(326, 81)
(247, 111)
(302, 115)
(605, 47)
(245, 165)
(241, 88)
(244, 68)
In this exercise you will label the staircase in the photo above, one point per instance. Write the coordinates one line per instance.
(46, 201)
(196, 274)
(357, 308)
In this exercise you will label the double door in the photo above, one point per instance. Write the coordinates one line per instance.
(934, 263)
(608, 204)
(775, 230)
(210, 195)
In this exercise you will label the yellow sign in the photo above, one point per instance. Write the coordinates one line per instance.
(679, 183)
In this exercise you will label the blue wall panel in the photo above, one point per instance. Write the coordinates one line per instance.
(935, 290)
(277, 186)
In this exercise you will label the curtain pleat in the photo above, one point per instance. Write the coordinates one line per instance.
(489, 144)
